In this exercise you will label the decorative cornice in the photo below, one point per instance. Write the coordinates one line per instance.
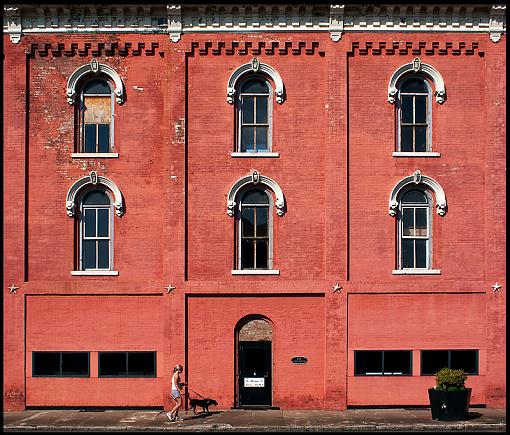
(255, 66)
(253, 48)
(86, 49)
(418, 178)
(417, 66)
(92, 68)
(174, 20)
(253, 179)
(92, 180)
(416, 48)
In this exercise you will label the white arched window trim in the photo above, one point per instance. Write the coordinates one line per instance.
(93, 68)
(254, 179)
(418, 178)
(255, 66)
(92, 180)
(416, 66)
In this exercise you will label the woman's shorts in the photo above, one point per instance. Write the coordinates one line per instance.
(175, 394)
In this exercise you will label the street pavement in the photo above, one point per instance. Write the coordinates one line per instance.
(352, 420)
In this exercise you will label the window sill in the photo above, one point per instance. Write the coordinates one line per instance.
(247, 154)
(416, 272)
(256, 272)
(417, 154)
(94, 155)
(94, 272)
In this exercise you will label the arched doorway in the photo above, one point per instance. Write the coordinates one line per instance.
(254, 337)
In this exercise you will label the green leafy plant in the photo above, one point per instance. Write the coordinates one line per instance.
(450, 380)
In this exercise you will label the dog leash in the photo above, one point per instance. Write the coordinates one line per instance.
(195, 392)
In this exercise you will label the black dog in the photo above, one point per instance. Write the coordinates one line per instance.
(203, 403)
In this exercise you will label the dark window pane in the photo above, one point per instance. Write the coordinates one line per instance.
(408, 221)
(141, 364)
(90, 222)
(262, 218)
(421, 222)
(256, 86)
(367, 362)
(247, 254)
(255, 196)
(248, 110)
(247, 139)
(89, 254)
(414, 85)
(406, 140)
(420, 109)
(46, 364)
(407, 109)
(112, 364)
(75, 364)
(90, 138)
(96, 197)
(414, 196)
(262, 254)
(407, 253)
(103, 140)
(262, 138)
(465, 360)
(421, 139)
(262, 110)
(421, 253)
(397, 362)
(248, 221)
(102, 222)
(103, 251)
(97, 87)
(433, 360)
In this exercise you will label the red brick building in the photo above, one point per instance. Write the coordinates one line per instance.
(303, 205)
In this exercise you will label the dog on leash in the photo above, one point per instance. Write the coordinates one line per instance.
(202, 403)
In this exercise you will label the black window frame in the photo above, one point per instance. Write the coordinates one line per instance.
(60, 364)
(126, 375)
(477, 353)
(410, 352)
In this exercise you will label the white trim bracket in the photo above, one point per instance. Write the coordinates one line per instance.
(255, 66)
(253, 179)
(174, 16)
(496, 22)
(91, 180)
(336, 22)
(413, 67)
(94, 67)
(418, 178)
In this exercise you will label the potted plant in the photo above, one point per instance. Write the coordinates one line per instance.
(449, 399)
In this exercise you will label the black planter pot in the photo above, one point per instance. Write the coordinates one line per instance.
(449, 405)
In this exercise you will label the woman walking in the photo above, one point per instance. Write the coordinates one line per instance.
(177, 385)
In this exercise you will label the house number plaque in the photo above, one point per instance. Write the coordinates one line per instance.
(299, 360)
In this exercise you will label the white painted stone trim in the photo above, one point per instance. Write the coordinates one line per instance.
(416, 154)
(255, 66)
(88, 69)
(258, 154)
(497, 23)
(94, 272)
(417, 178)
(416, 272)
(253, 179)
(88, 181)
(255, 272)
(94, 155)
(417, 66)
(336, 22)
(13, 23)
(174, 22)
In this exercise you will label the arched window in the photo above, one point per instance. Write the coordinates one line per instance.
(96, 231)
(95, 116)
(254, 115)
(414, 116)
(254, 227)
(415, 229)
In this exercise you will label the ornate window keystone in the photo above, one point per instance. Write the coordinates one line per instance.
(93, 180)
(92, 68)
(254, 66)
(418, 178)
(256, 178)
(417, 66)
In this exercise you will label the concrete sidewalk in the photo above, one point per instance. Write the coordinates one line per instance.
(368, 420)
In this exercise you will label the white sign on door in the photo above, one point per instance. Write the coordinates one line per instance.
(253, 382)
